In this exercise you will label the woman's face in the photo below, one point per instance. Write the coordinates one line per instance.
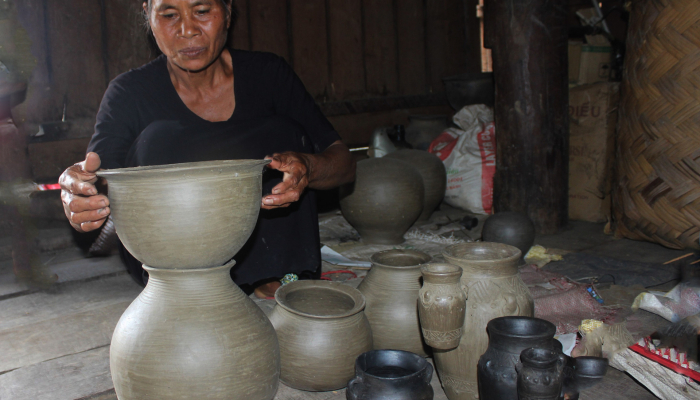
(191, 33)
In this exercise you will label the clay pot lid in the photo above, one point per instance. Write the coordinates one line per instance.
(320, 299)
(483, 252)
(400, 259)
(240, 166)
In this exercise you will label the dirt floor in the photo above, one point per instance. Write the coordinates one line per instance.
(55, 343)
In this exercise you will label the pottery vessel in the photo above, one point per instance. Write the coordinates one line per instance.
(422, 129)
(582, 373)
(322, 329)
(515, 229)
(494, 289)
(384, 201)
(432, 171)
(441, 305)
(540, 374)
(391, 375)
(509, 336)
(391, 291)
(192, 333)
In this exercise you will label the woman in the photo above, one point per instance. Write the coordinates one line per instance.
(203, 101)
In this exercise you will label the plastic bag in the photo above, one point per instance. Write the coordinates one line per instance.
(469, 155)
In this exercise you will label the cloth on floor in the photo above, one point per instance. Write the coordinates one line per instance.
(681, 302)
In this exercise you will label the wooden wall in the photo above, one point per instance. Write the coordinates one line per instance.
(343, 50)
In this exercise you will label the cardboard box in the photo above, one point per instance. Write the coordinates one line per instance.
(592, 122)
(589, 63)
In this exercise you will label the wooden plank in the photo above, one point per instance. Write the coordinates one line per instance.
(345, 35)
(377, 104)
(380, 47)
(126, 37)
(268, 27)
(66, 378)
(241, 32)
(310, 45)
(78, 69)
(472, 31)
(446, 52)
(410, 22)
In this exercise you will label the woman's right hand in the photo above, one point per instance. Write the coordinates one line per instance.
(86, 210)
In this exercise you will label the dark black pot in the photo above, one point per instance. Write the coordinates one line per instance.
(391, 375)
(511, 228)
(508, 337)
(540, 374)
(583, 373)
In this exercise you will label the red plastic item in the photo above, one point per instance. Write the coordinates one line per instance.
(666, 363)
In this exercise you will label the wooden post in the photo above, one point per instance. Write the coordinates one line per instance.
(529, 43)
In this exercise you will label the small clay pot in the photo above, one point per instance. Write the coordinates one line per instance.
(432, 170)
(515, 229)
(190, 215)
(508, 337)
(585, 372)
(391, 291)
(441, 305)
(384, 201)
(391, 375)
(540, 374)
(321, 329)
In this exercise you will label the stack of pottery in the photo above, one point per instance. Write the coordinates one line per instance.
(433, 174)
(384, 201)
(391, 291)
(192, 333)
(493, 289)
(322, 329)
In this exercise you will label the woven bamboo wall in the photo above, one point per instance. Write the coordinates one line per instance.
(657, 197)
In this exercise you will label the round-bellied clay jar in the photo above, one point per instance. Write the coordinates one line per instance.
(391, 291)
(384, 201)
(322, 329)
(432, 170)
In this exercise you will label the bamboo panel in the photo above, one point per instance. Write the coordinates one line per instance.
(657, 196)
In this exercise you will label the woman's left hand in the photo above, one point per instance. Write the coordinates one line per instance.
(295, 167)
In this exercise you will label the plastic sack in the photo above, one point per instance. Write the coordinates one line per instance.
(469, 155)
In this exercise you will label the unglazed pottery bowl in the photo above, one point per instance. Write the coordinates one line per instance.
(322, 329)
(183, 216)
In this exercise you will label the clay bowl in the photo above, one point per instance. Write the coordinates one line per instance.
(184, 216)
(322, 329)
(588, 371)
(484, 257)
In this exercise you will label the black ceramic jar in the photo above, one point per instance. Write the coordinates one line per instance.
(391, 375)
(508, 337)
(540, 374)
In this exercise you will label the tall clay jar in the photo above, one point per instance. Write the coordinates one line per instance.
(494, 289)
(391, 294)
(441, 305)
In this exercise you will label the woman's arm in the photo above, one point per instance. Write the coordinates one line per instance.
(326, 170)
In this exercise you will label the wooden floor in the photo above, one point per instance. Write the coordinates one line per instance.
(54, 344)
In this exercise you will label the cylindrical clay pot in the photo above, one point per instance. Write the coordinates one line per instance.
(322, 329)
(433, 173)
(509, 336)
(384, 201)
(540, 374)
(493, 289)
(391, 292)
(192, 333)
(441, 305)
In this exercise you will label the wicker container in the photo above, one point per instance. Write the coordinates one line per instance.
(657, 196)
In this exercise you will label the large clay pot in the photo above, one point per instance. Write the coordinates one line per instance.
(422, 129)
(192, 333)
(391, 291)
(391, 375)
(540, 374)
(322, 329)
(509, 336)
(441, 305)
(432, 171)
(494, 289)
(384, 201)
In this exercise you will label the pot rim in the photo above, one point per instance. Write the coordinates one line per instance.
(549, 328)
(376, 257)
(244, 165)
(404, 353)
(510, 253)
(354, 294)
(441, 269)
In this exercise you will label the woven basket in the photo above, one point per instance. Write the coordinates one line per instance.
(657, 196)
